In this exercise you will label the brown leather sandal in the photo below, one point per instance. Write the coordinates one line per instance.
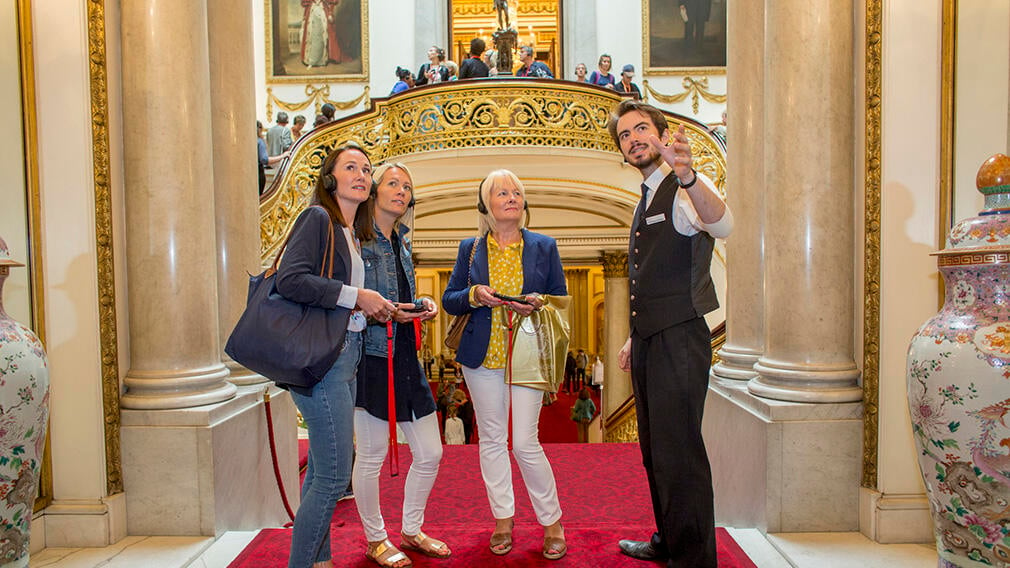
(386, 555)
(424, 544)
(555, 546)
(501, 542)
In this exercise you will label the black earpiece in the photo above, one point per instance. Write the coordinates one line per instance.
(329, 182)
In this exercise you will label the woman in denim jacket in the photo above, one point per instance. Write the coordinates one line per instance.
(390, 270)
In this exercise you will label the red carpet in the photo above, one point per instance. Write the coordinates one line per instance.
(604, 496)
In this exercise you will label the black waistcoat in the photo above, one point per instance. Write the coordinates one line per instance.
(668, 273)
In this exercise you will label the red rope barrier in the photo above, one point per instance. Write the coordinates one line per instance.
(273, 456)
(508, 362)
(394, 448)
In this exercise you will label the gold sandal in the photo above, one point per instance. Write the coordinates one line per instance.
(424, 544)
(386, 555)
(501, 542)
(555, 546)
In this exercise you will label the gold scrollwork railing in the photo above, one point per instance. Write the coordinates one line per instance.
(694, 88)
(458, 116)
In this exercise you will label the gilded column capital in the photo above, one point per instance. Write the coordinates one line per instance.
(615, 264)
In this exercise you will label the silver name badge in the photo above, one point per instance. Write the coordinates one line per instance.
(655, 219)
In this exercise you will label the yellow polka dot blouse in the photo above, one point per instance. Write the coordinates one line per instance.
(505, 271)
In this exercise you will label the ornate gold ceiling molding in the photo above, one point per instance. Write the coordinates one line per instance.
(317, 96)
(695, 88)
(871, 249)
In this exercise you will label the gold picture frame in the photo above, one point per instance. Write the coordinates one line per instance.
(665, 51)
(316, 41)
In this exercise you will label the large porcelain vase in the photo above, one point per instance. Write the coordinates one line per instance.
(24, 414)
(958, 378)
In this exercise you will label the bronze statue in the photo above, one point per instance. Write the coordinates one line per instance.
(502, 6)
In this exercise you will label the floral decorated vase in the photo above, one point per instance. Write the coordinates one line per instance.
(958, 378)
(24, 414)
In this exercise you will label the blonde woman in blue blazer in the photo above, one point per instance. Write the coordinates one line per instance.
(513, 261)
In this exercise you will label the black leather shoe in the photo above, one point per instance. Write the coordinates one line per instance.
(642, 550)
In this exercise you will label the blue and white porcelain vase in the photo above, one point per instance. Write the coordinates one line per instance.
(24, 414)
(958, 378)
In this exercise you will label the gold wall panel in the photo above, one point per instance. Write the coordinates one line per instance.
(871, 250)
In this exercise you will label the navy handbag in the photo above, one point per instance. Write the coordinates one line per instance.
(287, 342)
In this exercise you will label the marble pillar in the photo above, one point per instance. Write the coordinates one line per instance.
(616, 383)
(236, 206)
(745, 175)
(808, 355)
(187, 433)
(175, 358)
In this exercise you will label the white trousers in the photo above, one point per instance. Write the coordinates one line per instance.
(372, 435)
(490, 397)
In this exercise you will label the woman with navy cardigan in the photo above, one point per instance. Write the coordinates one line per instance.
(509, 260)
(328, 407)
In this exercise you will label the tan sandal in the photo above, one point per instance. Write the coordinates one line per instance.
(555, 546)
(386, 555)
(501, 542)
(424, 544)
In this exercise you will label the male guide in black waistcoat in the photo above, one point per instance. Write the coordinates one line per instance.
(669, 351)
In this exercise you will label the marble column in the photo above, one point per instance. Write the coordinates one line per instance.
(808, 133)
(745, 174)
(175, 357)
(236, 206)
(616, 383)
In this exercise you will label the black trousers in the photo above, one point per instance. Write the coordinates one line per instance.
(669, 373)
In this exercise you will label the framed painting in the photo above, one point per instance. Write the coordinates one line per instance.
(684, 37)
(316, 41)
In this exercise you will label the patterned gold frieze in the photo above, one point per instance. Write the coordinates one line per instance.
(103, 236)
(871, 250)
(454, 117)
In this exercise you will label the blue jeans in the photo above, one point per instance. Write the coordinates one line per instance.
(329, 417)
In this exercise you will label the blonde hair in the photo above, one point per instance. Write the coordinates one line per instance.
(364, 224)
(486, 222)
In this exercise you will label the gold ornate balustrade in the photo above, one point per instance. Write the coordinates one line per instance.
(460, 116)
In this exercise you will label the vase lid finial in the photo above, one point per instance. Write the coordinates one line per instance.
(994, 175)
(5, 255)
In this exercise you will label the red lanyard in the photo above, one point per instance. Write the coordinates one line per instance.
(508, 363)
(394, 448)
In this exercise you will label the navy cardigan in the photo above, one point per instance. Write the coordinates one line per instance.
(542, 273)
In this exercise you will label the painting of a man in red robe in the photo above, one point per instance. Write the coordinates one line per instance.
(319, 35)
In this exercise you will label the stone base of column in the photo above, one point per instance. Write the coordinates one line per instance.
(894, 518)
(163, 390)
(779, 380)
(240, 376)
(783, 466)
(735, 363)
(207, 470)
(80, 523)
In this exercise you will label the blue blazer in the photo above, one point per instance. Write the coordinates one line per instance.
(542, 273)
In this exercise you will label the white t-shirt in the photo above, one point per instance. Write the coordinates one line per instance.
(348, 297)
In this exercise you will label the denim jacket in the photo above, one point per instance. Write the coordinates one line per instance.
(380, 275)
